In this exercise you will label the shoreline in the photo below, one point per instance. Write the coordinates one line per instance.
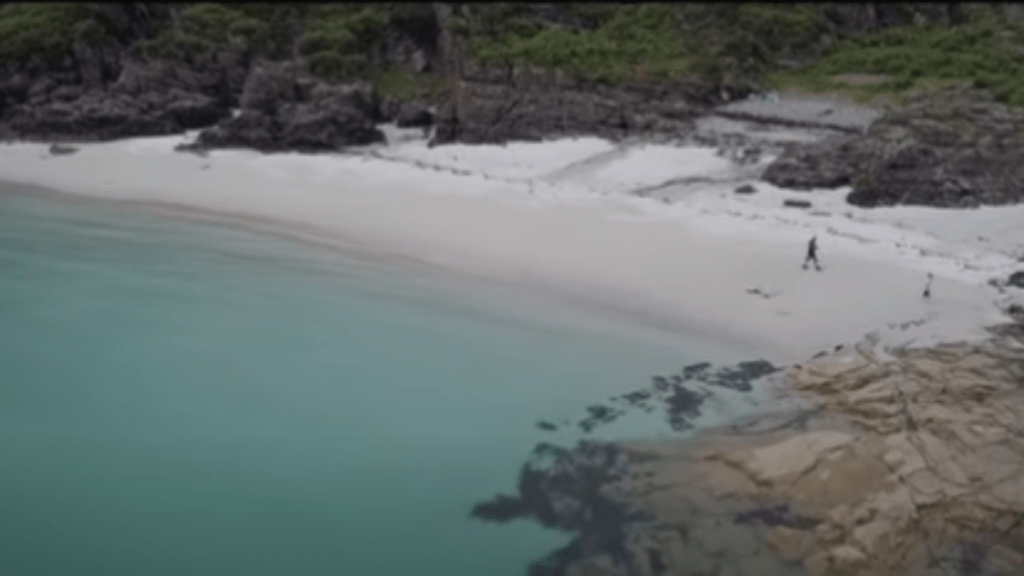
(560, 217)
(649, 233)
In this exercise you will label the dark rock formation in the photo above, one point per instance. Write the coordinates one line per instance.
(951, 149)
(283, 108)
(745, 189)
(499, 104)
(955, 148)
(680, 395)
(1016, 279)
(561, 488)
(791, 203)
(414, 113)
(105, 115)
(827, 164)
(62, 149)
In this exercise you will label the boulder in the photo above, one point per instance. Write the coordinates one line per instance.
(792, 203)
(1016, 279)
(190, 110)
(269, 85)
(745, 189)
(414, 114)
(286, 109)
(827, 164)
(62, 149)
(250, 129)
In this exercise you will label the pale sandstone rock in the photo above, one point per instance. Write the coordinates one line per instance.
(989, 464)
(902, 457)
(870, 536)
(1005, 560)
(830, 532)
(839, 561)
(939, 457)
(953, 467)
(896, 504)
(791, 545)
(848, 559)
(926, 487)
(1011, 492)
(718, 537)
(790, 457)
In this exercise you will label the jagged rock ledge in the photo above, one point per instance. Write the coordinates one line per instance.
(954, 148)
(911, 464)
(573, 489)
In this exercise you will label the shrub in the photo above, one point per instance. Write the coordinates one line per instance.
(983, 52)
(45, 30)
(205, 27)
(635, 40)
(333, 66)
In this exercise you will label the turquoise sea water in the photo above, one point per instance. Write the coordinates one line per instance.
(182, 398)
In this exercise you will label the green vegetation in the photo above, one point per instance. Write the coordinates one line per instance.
(48, 30)
(616, 43)
(337, 38)
(205, 27)
(739, 44)
(733, 45)
(637, 40)
(985, 53)
(400, 85)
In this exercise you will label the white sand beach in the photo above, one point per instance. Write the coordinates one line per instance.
(563, 215)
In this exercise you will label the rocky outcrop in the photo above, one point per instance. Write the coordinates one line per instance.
(928, 478)
(561, 488)
(118, 85)
(491, 105)
(284, 108)
(830, 163)
(101, 115)
(104, 89)
(910, 465)
(955, 148)
(1016, 279)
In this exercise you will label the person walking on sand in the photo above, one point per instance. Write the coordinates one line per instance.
(812, 254)
(927, 294)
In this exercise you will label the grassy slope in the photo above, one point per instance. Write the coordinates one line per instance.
(616, 43)
(986, 52)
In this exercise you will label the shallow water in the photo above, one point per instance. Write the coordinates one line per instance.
(178, 397)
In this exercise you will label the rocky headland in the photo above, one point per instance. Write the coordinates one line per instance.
(954, 148)
(899, 462)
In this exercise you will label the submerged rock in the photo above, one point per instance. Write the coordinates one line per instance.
(681, 395)
(563, 488)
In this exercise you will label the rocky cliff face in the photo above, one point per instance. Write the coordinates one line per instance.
(284, 108)
(109, 88)
(522, 103)
(956, 148)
